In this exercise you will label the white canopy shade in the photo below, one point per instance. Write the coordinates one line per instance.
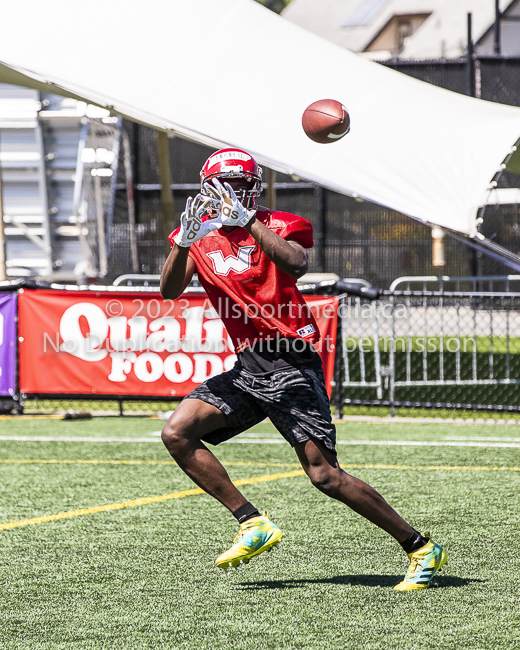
(232, 73)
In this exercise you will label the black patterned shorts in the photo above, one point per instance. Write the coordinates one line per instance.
(294, 399)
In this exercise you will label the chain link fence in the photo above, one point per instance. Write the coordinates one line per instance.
(434, 353)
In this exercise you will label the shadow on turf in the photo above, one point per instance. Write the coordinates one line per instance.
(440, 582)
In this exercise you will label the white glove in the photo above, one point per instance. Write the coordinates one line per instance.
(192, 227)
(225, 202)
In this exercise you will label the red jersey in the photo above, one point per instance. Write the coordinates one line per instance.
(252, 296)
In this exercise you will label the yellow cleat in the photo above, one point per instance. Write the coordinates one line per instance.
(256, 536)
(424, 564)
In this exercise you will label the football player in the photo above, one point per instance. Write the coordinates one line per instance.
(248, 259)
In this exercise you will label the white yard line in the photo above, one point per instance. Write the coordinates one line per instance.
(75, 439)
(483, 438)
(277, 441)
(384, 443)
(388, 419)
(426, 443)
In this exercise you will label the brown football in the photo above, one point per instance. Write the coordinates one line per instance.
(326, 121)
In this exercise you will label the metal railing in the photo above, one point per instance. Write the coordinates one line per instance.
(408, 347)
(360, 325)
(140, 279)
(474, 281)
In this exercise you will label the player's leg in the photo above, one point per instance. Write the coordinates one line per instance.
(214, 412)
(182, 435)
(322, 467)
(302, 415)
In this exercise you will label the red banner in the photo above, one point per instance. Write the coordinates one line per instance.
(101, 343)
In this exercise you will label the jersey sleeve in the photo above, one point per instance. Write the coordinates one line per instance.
(300, 230)
(172, 235)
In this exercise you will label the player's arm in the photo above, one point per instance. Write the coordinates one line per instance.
(288, 255)
(177, 272)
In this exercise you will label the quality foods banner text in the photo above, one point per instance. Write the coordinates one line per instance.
(7, 343)
(132, 344)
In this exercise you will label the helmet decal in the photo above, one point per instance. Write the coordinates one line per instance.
(234, 154)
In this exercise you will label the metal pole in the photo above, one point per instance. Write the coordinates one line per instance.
(473, 256)
(103, 266)
(113, 183)
(471, 60)
(339, 367)
(130, 199)
(165, 178)
(438, 258)
(3, 254)
(42, 182)
(79, 206)
(496, 44)
(322, 221)
(271, 190)
(80, 168)
(473, 261)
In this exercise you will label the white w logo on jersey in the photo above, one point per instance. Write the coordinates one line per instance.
(240, 263)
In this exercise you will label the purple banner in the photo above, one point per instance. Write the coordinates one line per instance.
(8, 343)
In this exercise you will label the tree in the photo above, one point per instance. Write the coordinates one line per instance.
(275, 5)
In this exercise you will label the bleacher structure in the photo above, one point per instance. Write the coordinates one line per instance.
(46, 162)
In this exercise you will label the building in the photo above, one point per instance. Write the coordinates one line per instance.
(409, 29)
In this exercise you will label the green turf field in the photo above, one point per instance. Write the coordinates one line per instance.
(142, 575)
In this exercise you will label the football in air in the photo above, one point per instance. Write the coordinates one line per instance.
(326, 121)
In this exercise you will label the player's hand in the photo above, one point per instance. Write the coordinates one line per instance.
(192, 227)
(225, 202)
